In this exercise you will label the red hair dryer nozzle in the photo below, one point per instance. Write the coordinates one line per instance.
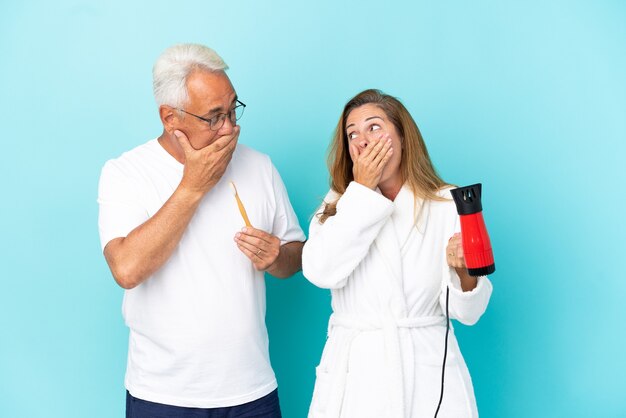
(476, 243)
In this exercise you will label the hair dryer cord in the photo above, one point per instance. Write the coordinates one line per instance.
(445, 350)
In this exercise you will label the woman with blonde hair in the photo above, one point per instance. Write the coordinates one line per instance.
(385, 241)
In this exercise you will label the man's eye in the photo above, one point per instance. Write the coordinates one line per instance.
(215, 119)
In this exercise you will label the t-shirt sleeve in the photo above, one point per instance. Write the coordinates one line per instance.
(120, 210)
(286, 226)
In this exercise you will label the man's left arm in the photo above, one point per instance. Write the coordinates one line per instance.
(266, 253)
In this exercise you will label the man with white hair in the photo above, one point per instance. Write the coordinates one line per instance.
(172, 235)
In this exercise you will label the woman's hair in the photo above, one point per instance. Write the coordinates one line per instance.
(416, 169)
(175, 65)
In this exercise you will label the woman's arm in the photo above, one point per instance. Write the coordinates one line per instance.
(336, 247)
(469, 296)
(456, 259)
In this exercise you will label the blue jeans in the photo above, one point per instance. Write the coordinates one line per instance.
(265, 407)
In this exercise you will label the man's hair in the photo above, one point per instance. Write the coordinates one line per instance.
(175, 65)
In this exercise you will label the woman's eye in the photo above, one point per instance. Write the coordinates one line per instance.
(351, 135)
(374, 127)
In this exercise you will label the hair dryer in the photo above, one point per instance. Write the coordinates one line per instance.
(476, 243)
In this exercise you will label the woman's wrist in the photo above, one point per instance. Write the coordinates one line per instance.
(468, 283)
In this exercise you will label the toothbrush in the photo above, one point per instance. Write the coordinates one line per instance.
(242, 210)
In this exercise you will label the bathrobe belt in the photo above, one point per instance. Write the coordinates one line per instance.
(391, 332)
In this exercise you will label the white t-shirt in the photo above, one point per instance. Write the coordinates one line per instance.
(197, 325)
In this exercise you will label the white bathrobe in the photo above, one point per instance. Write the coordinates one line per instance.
(388, 276)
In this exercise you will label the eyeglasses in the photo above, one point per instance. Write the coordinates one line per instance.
(217, 121)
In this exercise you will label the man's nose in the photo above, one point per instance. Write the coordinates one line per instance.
(228, 127)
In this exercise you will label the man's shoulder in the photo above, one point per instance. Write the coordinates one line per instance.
(139, 152)
(246, 155)
(134, 156)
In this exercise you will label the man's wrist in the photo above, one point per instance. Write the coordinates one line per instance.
(280, 265)
(274, 268)
(189, 194)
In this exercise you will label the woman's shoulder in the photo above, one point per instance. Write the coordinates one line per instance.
(444, 201)
(444, 191)
(331, 196)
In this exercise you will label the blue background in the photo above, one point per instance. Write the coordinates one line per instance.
(527, 97)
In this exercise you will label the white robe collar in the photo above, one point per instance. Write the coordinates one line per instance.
(392, 240)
